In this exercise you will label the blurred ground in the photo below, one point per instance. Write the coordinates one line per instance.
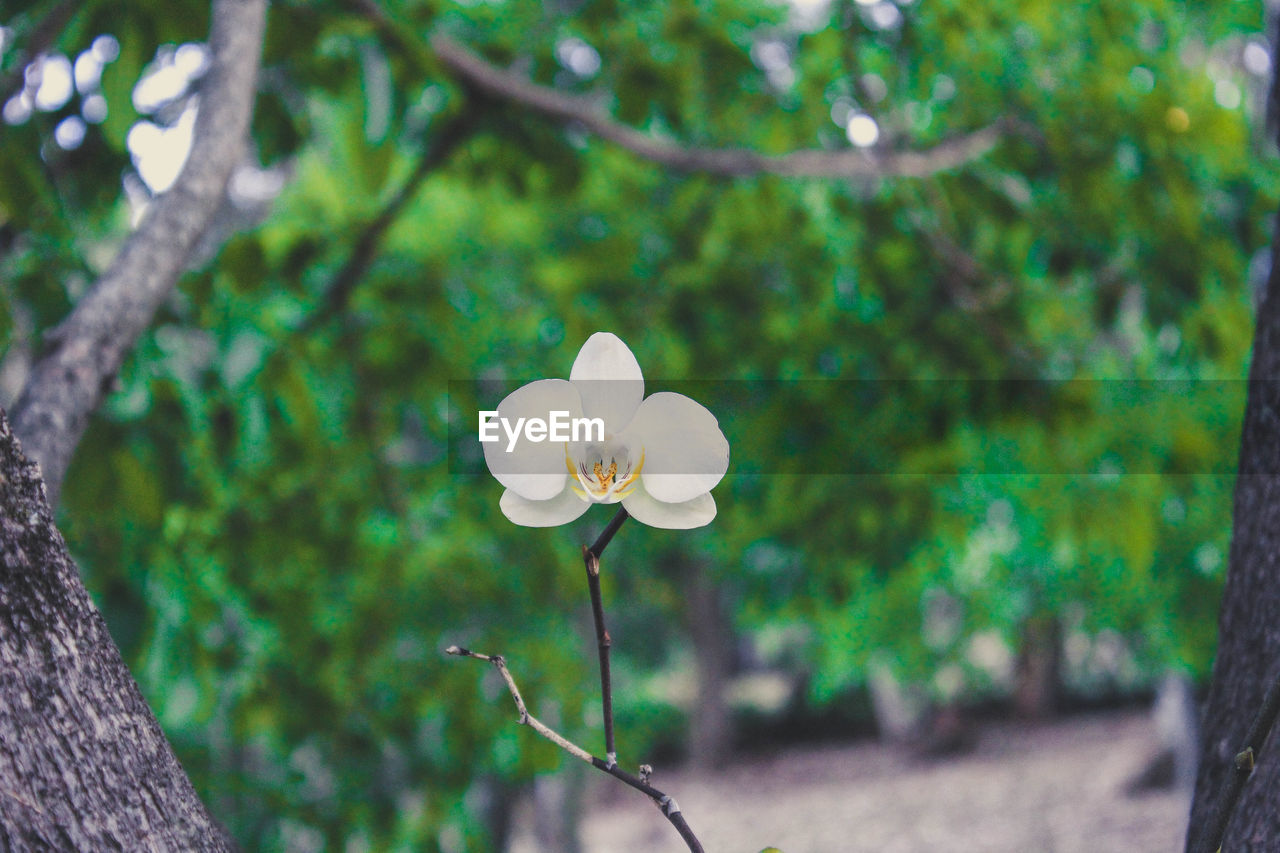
(1050, 788)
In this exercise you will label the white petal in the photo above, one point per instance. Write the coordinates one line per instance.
(673, 516)
(561, 509)
(608, 376)
(532, 469)
(685, 453)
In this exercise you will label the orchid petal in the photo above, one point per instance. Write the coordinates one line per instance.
(532, 469)
(608, 377)
(561, 509)
(672, 516)
(685, 453)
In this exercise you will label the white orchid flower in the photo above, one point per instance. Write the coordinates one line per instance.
(659, 457)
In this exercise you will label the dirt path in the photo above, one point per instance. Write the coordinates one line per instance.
(1055, 788)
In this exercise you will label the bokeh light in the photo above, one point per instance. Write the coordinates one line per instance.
(862, 130)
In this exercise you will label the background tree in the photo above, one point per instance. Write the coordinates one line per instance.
(87, 765)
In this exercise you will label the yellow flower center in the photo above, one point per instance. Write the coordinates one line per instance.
(599, 482)
(605, 480)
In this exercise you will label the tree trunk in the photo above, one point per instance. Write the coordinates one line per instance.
(1248, 657)
(1036, 684)
(710, 728)
(83, 762)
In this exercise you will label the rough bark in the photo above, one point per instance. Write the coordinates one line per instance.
(83, 762)
(1248, 657)
(86, 350)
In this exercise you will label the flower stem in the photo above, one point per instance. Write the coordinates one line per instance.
(603, 641)
(606, 535)
(591, 558)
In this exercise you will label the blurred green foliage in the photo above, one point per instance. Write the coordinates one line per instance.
(265, 509)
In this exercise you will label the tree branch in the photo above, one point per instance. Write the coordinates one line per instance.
(667, 804)
(480, 74)
(849, 163)
(438, 150)
(86, 350)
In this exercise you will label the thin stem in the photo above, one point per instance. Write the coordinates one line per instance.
(526, 719)
(603, 642)
(606, 535)
(667, 804)
(591, 558)
(1245, 759)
